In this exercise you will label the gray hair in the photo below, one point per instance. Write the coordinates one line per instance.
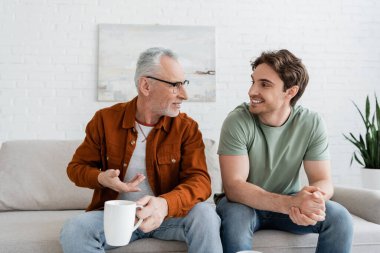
(149, 61)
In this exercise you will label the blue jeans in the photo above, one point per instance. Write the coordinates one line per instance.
(239, 222)
(199, 229)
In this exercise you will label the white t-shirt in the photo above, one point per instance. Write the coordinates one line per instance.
(138, 165)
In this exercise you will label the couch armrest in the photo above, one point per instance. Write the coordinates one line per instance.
(361, 202)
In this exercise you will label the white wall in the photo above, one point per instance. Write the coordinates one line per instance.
(48, 59)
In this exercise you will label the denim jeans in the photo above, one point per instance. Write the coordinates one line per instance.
(239, 222)
(199, 229)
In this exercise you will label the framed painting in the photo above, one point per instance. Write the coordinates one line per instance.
(120, 46)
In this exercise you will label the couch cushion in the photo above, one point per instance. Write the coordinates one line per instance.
(364, 203)
(32, 231)
(212, 161)
(33, 176)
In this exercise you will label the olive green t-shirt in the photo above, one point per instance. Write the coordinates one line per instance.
(275, 153)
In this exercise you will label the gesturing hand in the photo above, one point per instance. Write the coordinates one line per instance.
(110, 179)
(154, 212)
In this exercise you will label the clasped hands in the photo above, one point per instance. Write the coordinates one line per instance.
(308, 206)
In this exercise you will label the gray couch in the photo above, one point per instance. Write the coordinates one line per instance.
(36, 197)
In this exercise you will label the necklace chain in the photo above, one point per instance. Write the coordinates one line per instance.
(145, 137)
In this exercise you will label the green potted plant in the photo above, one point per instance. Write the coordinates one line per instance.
(368, 144)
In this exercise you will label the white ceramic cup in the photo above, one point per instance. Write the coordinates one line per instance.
(119, 219)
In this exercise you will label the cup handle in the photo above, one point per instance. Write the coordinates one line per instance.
(140, 220)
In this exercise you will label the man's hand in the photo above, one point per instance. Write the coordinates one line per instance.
(310, 201)
(154, 212)
(110, 179)
(300, 219)
(309, 206)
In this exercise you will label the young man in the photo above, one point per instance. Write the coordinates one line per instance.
(145, 150)
(262, 147)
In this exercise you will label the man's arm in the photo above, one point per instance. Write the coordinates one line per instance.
(84, 171)
(235, 170)
(194, 183)
(318, 174)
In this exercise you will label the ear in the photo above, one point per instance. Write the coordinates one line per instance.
(292, 91)
(143, 86)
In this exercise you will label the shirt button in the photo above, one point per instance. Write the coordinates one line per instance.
(124, 164)
(133, 142)
(107, 158)
(173, 160)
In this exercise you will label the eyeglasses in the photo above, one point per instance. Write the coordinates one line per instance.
(175, 85)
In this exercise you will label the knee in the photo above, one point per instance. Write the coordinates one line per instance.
(83, 233)
(204, 214)
(234, 212)
(339, 216)
(82, 225)
(238, 220)
(70, 230)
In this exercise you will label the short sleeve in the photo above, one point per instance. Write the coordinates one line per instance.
(236, 133)
(318, 149)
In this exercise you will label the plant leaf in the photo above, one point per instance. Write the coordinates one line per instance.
(377, 164)
(353, 140)
(357, 159)
(377, 112)
(367, 108)
(361, 114)
(368, 154)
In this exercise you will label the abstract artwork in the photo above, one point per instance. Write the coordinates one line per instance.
(120, 46)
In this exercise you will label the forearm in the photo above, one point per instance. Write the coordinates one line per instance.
(258, 198)
(326, 186)
(84, 175)
(194, 183)
(318, 174)
(84, 168)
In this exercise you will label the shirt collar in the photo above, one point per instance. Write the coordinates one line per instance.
(130, 114)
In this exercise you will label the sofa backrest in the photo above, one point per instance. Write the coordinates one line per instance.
(33, 175)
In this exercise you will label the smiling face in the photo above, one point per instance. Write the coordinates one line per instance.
(268, 99)
(165, 102)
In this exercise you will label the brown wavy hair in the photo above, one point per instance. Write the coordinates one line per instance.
(289, 68)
